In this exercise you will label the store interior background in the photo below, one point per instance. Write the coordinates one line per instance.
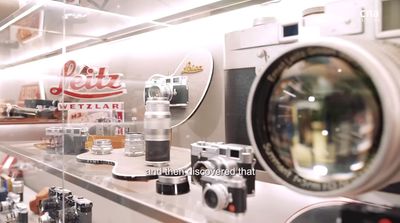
(138, 57)
(142, 55)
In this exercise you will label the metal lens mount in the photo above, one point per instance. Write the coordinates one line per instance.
(322, 117)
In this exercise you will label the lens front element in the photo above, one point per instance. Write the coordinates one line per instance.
(321, 118)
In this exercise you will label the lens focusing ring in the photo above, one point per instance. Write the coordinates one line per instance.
(172, 184)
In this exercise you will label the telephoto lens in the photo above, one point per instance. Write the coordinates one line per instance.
(157, 126)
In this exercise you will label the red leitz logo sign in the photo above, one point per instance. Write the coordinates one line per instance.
(88, 82)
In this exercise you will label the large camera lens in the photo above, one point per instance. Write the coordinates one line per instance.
(319, 122)
(323, 119)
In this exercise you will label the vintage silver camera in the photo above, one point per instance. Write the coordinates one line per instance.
(323, 110)
(174, 88)
(225, 193)
(67, 140)
(217, 155)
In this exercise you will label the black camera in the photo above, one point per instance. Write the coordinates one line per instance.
(239, 157)
(51, 208)
(77, 209)
(11, 211)
(174, 88)
(224, 192)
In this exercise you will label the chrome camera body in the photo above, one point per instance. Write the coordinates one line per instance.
(322, 112)
(174, 88)
(217, 155)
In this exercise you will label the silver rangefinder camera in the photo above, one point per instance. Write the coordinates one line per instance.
(217, 155)
(174, 88)
(323, 110)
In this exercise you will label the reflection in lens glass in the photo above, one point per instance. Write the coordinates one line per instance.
(323, 119)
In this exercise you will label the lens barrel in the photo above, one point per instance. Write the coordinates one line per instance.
(157, 125)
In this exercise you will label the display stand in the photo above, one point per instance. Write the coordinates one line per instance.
(135, 168)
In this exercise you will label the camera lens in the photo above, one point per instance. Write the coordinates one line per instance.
(134, 145)
(319, 122)
(323, 119)
(208, 167)
(157, 125)
(102, 146)
(216, 196)
(199, 169)
(160, 91)
(211, 199)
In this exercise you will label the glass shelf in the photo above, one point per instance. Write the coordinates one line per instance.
(141, 195)
(39, 27)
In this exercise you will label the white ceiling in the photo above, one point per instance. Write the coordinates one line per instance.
(151, 9)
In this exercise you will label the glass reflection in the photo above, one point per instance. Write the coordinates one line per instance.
(323, 119)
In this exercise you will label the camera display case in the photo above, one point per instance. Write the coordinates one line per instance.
(108, 107)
